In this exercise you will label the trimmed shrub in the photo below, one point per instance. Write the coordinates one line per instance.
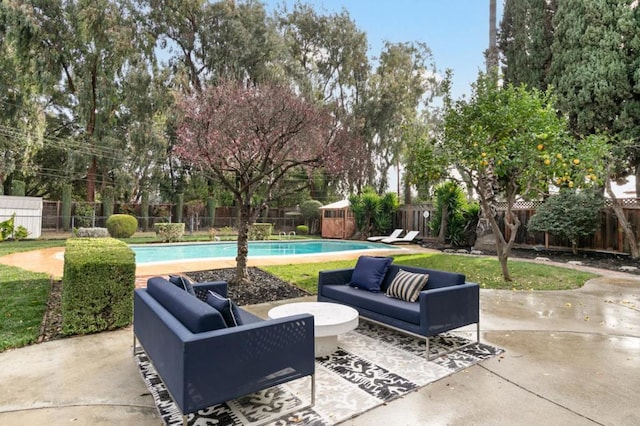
(122, 225)
(302, 229)
(169, 232)
(84, 214)
(92, 233)
(260, 231)
(98, 283)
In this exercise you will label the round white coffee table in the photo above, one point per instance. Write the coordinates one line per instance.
(330, 320)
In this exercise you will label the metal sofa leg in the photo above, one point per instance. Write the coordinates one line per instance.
(427, 348)
(134, 344)
(313, 390)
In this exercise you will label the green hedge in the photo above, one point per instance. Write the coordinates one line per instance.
(169, 232)
(302, 229)
(260, 231)
(98, 283)
(122, 225)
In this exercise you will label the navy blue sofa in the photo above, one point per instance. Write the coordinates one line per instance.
(448, 301)
(202, 364)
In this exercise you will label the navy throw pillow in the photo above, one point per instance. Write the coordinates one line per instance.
(182, 283)
(369, 272)
(226, 307)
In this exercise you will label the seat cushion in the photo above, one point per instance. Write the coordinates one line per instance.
(369, 272)
(407, 285)
(375, 302)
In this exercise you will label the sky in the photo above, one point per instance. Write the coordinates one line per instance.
(457, 31)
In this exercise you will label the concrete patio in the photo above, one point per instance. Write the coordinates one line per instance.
(571, 358)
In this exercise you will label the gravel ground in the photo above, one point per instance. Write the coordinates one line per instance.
(264, 286)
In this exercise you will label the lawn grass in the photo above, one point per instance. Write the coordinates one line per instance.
(482, 270)
(24, 294)
(24, 298)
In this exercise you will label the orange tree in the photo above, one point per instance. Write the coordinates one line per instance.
(253, 139)
(512, 144)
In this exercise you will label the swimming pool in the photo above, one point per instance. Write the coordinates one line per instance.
(164, 253)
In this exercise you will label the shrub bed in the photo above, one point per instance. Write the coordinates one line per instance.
(98, 283)
(122, 225)
(260, 231)
(169, 232)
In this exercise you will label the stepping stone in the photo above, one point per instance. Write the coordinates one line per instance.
(574, 262)
(477, 252)
(542, 259)
(449, 251)
(462, 251)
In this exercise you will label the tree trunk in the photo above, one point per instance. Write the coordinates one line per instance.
(242, 274)
(629, 234)
(492, 52)
(503, 247)
(444, 222)
(503, 258)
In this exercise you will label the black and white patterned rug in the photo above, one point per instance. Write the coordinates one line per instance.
(373, 365)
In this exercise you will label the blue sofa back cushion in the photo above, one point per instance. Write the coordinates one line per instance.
(437, 279)
(369, 272)
(226, 307)
(183, 283)
(193, 313)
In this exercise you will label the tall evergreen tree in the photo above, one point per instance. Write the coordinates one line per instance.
(595, 71)
(526, 34)
(591, 71)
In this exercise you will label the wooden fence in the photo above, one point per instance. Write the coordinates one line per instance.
(608, 237)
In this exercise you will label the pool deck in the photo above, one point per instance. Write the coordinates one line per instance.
(572, 357)
(51, 261)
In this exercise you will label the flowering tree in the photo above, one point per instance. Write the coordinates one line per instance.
(253, 138)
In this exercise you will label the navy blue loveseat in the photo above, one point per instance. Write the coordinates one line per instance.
(446, 303)
(203, 363)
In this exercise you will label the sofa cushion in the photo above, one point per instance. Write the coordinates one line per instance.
(407, 285)
(437, 279)
(182, 283)
(226, 307)
(193, 313)
(369, 272)
(375, 302)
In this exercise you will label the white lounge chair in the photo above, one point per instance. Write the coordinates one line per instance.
(411, 235)
(395, 234)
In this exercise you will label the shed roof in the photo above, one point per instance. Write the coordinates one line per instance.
(337, 205)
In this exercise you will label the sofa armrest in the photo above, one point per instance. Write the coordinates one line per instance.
(446, 308)
(226, 364)
(334, 277)
(219, 287)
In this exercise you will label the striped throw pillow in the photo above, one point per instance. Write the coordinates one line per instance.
(407, 285)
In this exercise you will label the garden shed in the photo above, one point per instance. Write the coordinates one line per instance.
(28, 211)
(338, 220)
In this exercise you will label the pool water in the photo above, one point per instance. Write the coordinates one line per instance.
(178, 252)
